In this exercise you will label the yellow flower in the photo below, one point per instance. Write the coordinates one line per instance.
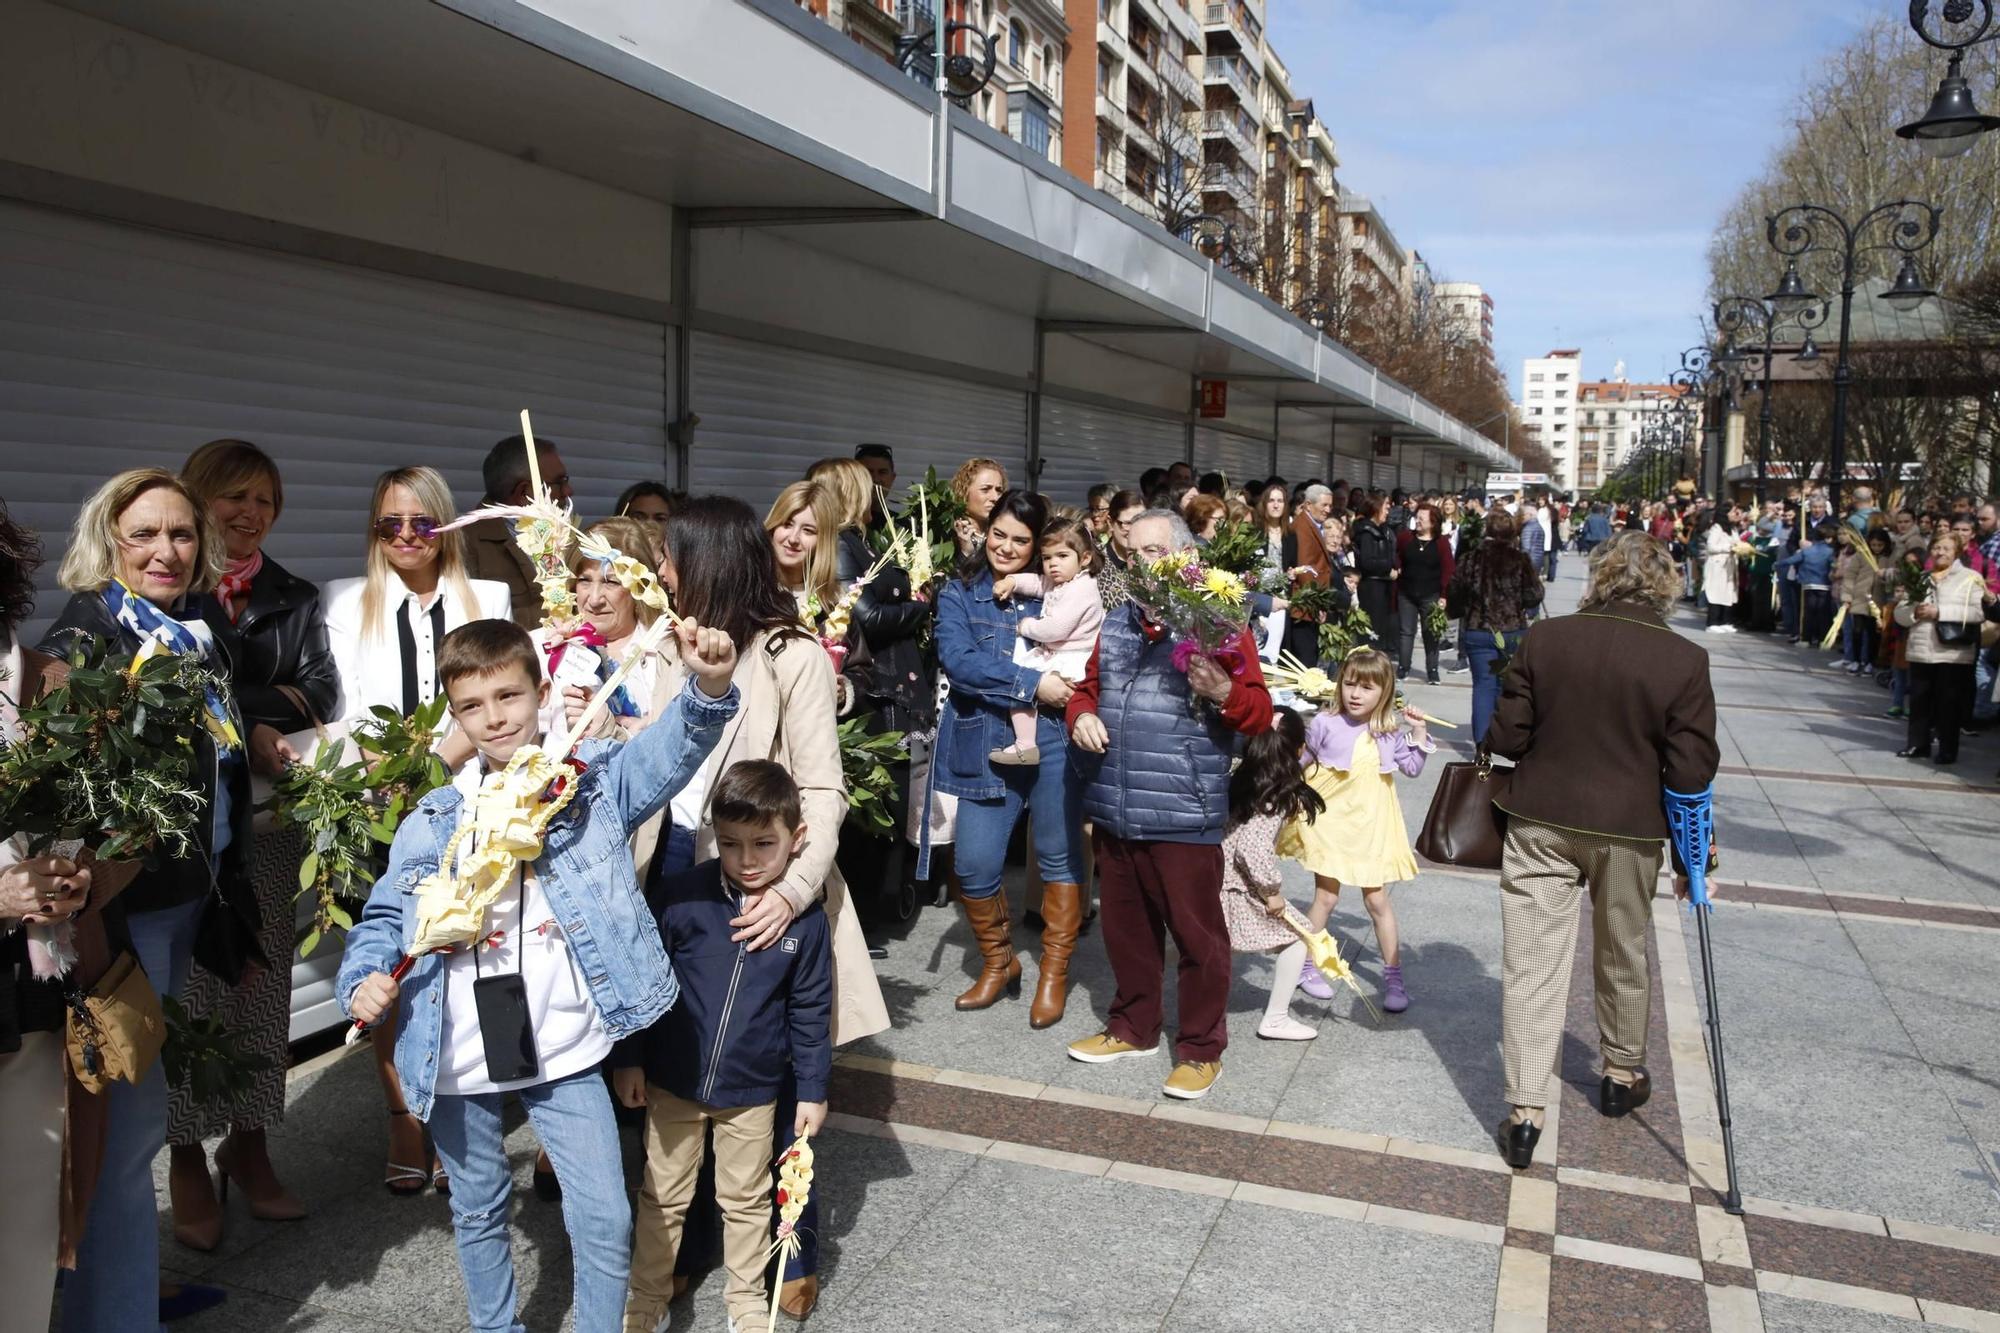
(1224, 586)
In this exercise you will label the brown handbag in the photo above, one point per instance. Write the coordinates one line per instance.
(115, 1029)
(1464, 827)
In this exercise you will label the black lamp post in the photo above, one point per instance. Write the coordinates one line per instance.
(1953, 123)
(1792, 232)
(1735, 313)
(1699, 372)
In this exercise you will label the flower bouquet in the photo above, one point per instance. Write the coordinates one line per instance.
(1202, 607)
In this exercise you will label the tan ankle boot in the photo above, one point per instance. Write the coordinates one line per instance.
(1062, 914)
(993, 932)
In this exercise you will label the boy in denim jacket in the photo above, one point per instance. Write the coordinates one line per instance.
(751, 1033)
(569, 965)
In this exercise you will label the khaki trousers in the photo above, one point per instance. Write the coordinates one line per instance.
(1543, 871)
(31, 1138)
(674, 1130)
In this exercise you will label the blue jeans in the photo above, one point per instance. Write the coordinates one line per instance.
(116, 1285)
(1485, 649)
(1899, 687)
(1984, 668)
(572, 1118)
(1054, 801)
(1788, 608)
(1857, 639)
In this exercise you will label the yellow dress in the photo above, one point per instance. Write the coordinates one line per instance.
(1359, 839)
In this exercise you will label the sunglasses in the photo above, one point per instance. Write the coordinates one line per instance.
(390, 526)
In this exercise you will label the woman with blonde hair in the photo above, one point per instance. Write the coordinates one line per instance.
(979, 483)
(385, 629)
(142, 561)
(804, 523)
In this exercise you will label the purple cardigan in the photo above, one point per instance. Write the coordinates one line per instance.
(1330, 741)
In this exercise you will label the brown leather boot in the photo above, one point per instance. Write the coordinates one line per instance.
(994, 934)
(798, 1297)
(1062, 913)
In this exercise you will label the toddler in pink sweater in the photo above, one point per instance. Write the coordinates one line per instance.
(1061, 638)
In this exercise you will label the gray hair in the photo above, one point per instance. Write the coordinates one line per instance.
(1183, 535)
(1314, 494)
(1632, 567)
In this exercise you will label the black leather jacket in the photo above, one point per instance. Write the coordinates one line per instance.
(172, 883)
(282, 641)
(1374, 550)
(895, 680)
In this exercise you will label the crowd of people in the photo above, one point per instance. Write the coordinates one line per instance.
(686, 948)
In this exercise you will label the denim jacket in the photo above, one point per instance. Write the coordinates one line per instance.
(975, 644)
(585, 870)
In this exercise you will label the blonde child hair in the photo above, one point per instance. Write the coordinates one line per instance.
(1366, 666)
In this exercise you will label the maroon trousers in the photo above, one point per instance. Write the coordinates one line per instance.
(1148, 890)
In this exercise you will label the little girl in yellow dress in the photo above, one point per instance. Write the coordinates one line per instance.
(1352, 753)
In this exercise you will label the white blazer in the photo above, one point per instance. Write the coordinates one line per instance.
(371, 672)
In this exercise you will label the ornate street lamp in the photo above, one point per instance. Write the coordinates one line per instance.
(1794, 231)
(918, 51)
(1953, 123)
(1733, 314)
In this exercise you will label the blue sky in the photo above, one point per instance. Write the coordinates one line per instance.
(1572, 156)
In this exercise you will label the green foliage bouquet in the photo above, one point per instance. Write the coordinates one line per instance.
(1240, 548)
(347, 813)
(104, 758)
(865, 760)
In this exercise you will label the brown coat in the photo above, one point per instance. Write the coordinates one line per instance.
(491, 553)
(787, 715)
(1602, 710)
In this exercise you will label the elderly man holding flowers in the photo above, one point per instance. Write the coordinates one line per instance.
(1173, 682)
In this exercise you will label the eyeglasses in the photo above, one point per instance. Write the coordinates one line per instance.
(390, 526)
(1100, 511)
(1158, 551)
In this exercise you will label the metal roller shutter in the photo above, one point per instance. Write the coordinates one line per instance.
(1300, 462)
(122, 347)
(1241, 458)
(768, 413)
(1083, 444)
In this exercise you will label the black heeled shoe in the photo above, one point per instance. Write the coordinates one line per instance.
(1517, 1143)
(1616, 1099)
(1914, 752)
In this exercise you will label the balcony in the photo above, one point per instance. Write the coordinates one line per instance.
(1232, 181)
(1179, 77)
(1235, 72)
(1234, 126)
(1233, 20)
(1110, 113)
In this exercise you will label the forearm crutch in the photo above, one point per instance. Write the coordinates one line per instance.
(1691, 827)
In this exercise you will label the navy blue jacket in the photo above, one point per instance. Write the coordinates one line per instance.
(742, 1017)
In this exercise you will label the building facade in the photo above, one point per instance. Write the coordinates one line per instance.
(1467, 312)
(1130, 75)
(1612, 418)
(1548, 409)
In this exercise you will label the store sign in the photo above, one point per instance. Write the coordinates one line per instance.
(1514, 481)
(1214, 398)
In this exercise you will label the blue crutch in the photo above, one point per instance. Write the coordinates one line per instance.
(1691, 828)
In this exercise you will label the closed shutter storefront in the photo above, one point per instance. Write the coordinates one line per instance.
(769, 412)
(1300, 462)
(123, 347)
(1241, 458)
(1084, 444)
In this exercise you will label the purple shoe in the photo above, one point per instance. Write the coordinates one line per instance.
(1313, 984)
(1394, 998)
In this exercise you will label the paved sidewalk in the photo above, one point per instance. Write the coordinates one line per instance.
(977, 1179)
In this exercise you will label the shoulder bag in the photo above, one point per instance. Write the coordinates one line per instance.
(116, 1028)
(1464, 827)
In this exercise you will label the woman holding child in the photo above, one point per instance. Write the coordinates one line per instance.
(721, 570)
(981, 761)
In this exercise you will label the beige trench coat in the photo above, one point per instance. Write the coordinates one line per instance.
(787, 715)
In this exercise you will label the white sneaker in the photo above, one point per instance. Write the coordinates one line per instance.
(1286, 1028)
(1729, 629)
(1716, 629)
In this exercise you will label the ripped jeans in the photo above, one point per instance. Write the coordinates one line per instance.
(572, 1118)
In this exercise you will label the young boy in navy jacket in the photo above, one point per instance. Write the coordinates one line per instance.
(747, 1026)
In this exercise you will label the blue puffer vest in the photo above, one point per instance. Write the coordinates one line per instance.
(1165, 777)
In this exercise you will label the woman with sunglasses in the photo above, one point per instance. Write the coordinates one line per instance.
(385, 628)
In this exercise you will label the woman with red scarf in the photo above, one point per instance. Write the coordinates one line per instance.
(285, 682)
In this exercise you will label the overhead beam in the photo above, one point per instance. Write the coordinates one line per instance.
(706, 218)
(1111, 326)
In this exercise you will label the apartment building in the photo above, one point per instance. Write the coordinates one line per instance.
(875, 24)
(1467, 311)
(1130, 74)
(1612, 418)
(1234, 119)
(1548, 408)
(1381, 266)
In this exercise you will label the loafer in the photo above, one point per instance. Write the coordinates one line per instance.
(1517, 1142)
(1617, 1099)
